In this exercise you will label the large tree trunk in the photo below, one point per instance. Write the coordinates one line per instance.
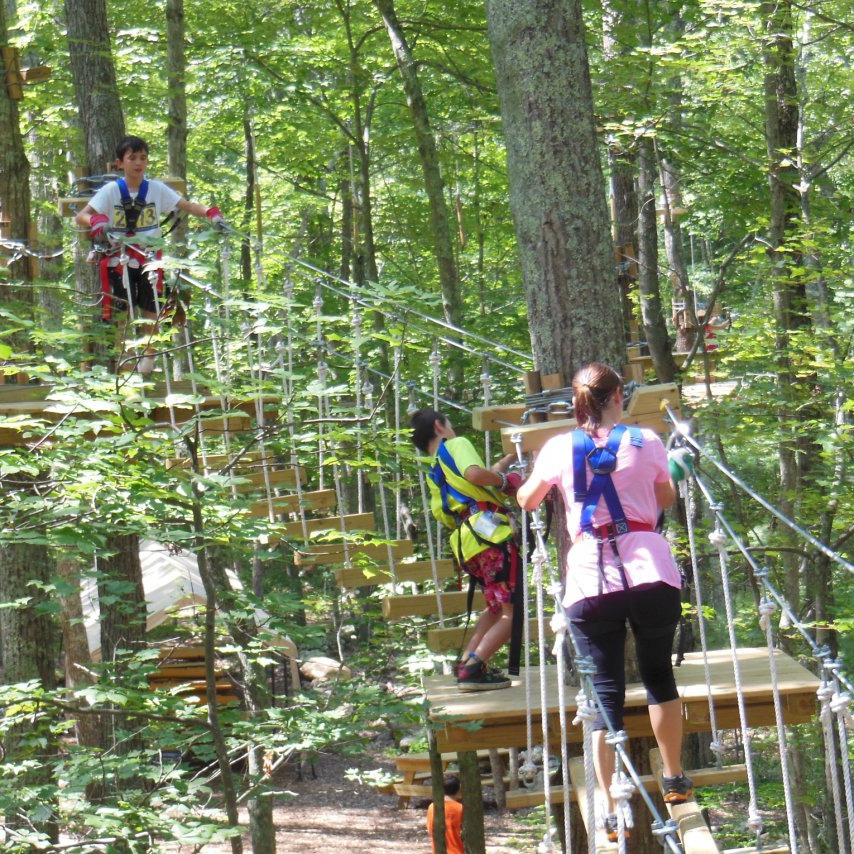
(14, 174)
(94, 81)
(556, 183)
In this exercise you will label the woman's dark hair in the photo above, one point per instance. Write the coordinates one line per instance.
(451, 784)
(593, 386)
(130, 143)
(423, 428)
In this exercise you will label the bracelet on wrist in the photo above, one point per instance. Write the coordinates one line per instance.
(503, 480)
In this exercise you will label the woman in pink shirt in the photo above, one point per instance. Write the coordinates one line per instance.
(619, 569)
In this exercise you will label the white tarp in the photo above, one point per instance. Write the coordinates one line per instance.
(173, 587)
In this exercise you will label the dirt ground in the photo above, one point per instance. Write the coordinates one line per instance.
(333, 814)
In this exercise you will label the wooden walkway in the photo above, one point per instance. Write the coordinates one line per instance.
(502, 717)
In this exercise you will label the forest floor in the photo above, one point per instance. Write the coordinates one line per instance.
(334, 814)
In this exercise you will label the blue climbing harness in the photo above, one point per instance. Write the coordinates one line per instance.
(602, 461)
(133, 207)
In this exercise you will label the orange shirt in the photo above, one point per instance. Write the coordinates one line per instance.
(453, 826)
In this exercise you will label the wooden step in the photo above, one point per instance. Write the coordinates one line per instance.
(425, 605)
(253, 478)
(417, 571)
(454, 637)
(693, 830)
(318, 499)
(294, 530)
(420, 760)
(579, 786)
(321, 554)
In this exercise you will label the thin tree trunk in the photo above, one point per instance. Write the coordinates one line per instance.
(434, 184)
(654, 325)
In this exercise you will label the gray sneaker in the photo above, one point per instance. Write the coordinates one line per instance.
(474, 675)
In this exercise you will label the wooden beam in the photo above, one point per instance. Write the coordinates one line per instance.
(418, 571)
(495, 417)
(647, 399)
(424, 604)
(579, 786)
(323, 554)
(318, 499)
(693, 830)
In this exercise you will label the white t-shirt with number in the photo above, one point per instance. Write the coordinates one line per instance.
(160, 200)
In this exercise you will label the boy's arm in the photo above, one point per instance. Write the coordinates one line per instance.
(214, 214)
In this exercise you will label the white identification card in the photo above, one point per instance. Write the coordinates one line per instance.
(486, 524)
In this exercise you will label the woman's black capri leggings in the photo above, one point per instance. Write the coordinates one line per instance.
(599, 627)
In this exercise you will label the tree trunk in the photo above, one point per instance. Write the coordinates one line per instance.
(27, 640)
(14, 178)
(176, 79)
(556, 183)
(94, 75)
(654, 326)
(434, 185)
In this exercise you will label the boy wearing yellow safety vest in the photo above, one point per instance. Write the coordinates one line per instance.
(470, 499)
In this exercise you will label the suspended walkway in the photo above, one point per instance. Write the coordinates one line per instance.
(300, 429)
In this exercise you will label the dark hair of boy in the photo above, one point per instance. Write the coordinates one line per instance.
(423, 427)
(130, 143)
(451, 784)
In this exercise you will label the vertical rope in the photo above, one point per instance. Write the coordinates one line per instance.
(357, 375)
(766, 611)
(486, 384)
(716, 746)
(718, 539)
(319, 344)
(398, 512)
(392, 567)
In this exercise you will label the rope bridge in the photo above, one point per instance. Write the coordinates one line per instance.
(294, 405)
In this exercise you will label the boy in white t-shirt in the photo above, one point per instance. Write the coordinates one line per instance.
(134, 206)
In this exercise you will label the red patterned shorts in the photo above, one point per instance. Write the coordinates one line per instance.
(485, 567)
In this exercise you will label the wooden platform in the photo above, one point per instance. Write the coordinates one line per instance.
(644, 410)
(501, 714)
(425, 604)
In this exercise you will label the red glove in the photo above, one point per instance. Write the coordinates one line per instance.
(98, 224)
(215, 216)
(514, 481)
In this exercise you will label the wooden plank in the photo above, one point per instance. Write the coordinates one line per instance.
(294, 530)
(693, 830)
(647, 399)
(424, 604)
(579, 787)
(322, 554)
(318, 499)
(418, 571)
(420, 761)
(247, 482)
(495, 417)
(453, 638)
(519, 799)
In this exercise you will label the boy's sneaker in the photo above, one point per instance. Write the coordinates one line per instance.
(677, 789)
(474, 675)
(612, 828)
